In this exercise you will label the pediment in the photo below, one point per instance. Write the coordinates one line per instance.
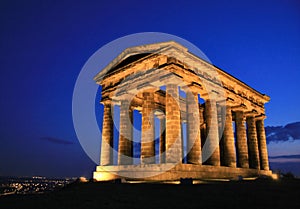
(132, 54)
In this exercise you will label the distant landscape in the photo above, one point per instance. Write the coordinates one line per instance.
(284, 147)
(262, 193)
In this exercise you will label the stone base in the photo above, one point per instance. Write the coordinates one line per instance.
(167, 172)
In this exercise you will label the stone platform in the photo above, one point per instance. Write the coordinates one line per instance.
(167, 172)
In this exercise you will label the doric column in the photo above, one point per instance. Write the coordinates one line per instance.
(252, 143)
(241, 142)
(162, 140)
(202, 126)
(221, 125)
(107, 136)
(228, 141)
(193, 129)
(148, 142)
(173, 126)
(212, 139)
(263, 151)
(125, 153)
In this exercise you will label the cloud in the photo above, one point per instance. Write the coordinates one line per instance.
(57, 140)
(288, 132)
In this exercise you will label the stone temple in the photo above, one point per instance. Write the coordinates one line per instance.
(197, 121)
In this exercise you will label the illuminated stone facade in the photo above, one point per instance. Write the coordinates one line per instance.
(224, 118)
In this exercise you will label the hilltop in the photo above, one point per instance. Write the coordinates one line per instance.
(242, 194)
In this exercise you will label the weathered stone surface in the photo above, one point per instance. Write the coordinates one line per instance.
(212, 130)
(252, 143)
(147, 143)
(107, 136)
(263, 151)
(194, 155)
(241, 141)
(176, 173)
(228, 141)
(172, 65)
(125, 138)
(173, 125)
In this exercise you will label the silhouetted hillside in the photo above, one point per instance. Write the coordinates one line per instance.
(262, 193)
(293, 167)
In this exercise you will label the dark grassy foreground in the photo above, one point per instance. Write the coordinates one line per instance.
(246, 194)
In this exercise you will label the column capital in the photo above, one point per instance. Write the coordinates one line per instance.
(122, 95)
(239, 115)
(106, 101)
(228, 107)
(242, 107)
(213, 95)
(261, 117)
(192, 87)
(149, 89)
(250, 116)
(252, 113)
(160, 114)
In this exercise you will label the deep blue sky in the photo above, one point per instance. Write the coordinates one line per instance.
(44, 45)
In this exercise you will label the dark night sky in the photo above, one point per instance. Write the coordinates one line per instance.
(44, 45)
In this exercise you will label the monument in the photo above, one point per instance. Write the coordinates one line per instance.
(211, 125)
